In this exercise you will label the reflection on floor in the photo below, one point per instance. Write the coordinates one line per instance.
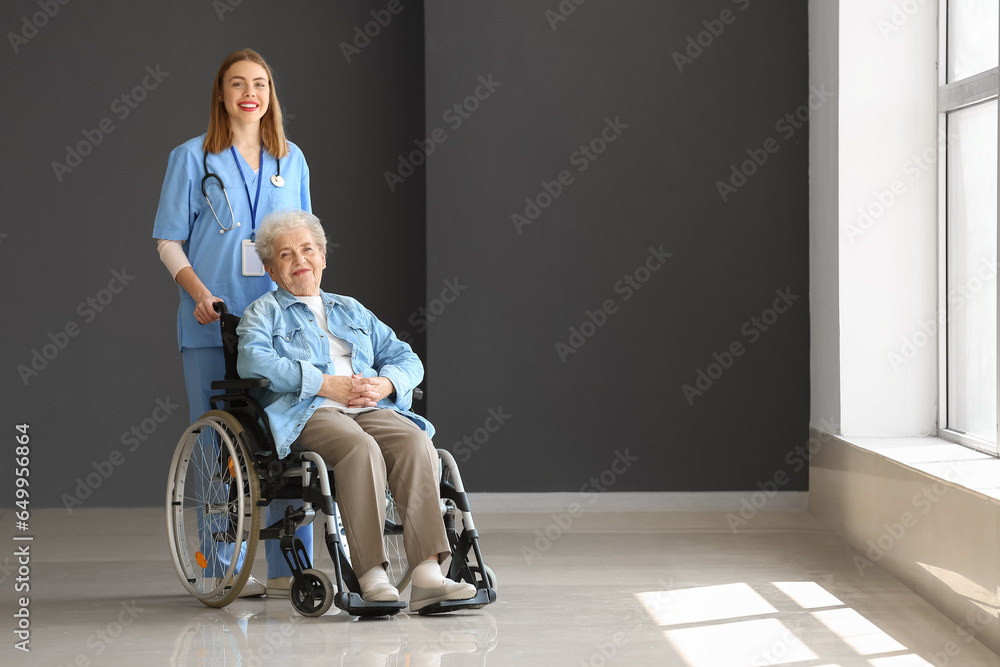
(678, 587)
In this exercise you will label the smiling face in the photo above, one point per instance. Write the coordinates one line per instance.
(298, 263)
(245, 92)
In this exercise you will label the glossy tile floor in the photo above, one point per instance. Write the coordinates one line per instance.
(614, 586)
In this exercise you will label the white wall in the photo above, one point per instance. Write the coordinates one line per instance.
(885, 255)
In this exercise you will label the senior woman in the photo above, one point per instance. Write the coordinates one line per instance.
(341, 385)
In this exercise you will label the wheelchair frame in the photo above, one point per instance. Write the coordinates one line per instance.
(228, 457)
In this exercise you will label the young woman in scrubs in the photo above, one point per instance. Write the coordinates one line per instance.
(217, 189)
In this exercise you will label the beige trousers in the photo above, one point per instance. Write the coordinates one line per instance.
(369, 451)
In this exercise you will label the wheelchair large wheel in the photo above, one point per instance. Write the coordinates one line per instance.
(397, 570)
(213, 517)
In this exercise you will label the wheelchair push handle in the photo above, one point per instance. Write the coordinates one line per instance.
(220, 307)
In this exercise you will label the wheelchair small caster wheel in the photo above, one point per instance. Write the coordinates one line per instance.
(490, 576)
(312, 595)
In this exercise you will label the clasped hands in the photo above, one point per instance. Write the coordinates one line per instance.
(356, 391)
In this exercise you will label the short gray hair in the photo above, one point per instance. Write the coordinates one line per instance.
(275, 224)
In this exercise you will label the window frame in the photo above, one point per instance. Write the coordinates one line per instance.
(954, 96)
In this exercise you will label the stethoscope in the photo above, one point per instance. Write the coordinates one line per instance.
(276, 180)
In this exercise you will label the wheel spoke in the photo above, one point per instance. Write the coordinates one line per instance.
(212, 522)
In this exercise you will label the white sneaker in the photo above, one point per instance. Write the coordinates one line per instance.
(251, 589)
(449, 590)
(279, 587)
(375, 586)
(380, 592)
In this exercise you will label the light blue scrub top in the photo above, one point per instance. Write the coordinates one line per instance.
(184, 215)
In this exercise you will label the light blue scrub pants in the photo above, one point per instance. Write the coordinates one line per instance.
(202, 365)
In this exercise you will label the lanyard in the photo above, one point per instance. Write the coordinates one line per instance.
(253, 204)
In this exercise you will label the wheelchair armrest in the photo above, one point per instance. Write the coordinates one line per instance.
(253, 383)
(418, 394)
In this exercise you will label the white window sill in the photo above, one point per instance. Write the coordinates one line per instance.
(939, 458)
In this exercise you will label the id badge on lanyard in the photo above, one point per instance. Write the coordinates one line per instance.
(252, 266)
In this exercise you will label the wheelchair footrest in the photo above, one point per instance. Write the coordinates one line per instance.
(353, 604)
(483, 597)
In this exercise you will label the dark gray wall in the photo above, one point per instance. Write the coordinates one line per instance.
(702, 87)
(494, 298)
(64, 237)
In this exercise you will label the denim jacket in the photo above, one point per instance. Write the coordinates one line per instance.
(280, 341)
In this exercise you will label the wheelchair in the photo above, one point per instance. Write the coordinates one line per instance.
(225, 471)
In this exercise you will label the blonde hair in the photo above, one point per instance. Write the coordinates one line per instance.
(272, 130)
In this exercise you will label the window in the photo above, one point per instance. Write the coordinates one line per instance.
(967, 106)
